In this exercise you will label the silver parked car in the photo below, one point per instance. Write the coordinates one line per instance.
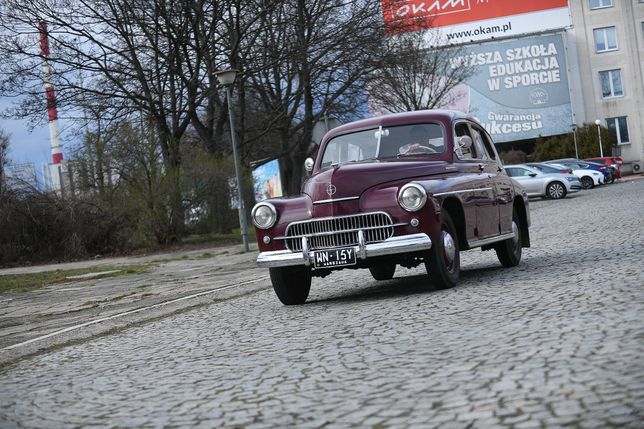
(539, 184)
(575, 182)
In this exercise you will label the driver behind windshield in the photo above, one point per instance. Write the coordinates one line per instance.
(418, 142)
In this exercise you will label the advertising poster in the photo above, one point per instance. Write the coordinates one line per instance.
(520, 88)
(266, 181)
(463, 21)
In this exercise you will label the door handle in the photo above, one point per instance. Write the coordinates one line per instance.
(481, 167)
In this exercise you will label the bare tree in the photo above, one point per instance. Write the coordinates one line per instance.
(417, 73)
(312, 59)
(299, 60)
(4, 149)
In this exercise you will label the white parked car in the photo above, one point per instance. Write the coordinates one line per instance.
(538, 184)
(588, 178)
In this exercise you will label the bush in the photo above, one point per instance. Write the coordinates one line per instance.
(40, 227)
(563, 146)
(513, 157)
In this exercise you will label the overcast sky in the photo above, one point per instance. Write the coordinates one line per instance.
(25, 145)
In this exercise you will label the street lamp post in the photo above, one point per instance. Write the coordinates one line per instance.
(574, 137)
(601, 150)
(226, 79)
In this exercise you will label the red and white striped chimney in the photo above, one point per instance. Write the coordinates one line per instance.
(52, 113)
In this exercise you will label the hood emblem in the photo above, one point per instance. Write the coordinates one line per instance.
(331, 189)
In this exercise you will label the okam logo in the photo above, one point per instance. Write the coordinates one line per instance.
(413, 9)
(539, 96)
(331, 189)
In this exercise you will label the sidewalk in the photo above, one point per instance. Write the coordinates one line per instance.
(62, 313)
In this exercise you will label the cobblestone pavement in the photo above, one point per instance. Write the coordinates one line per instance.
(556, 342)
(60, 313)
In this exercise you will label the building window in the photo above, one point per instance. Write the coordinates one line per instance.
(598, 4)
(620, 127)
(611, 82)
(605, 39)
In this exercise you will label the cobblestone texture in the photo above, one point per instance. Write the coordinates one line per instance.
(556, 342)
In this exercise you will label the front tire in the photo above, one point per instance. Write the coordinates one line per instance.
(444, 263)
(383, 272)
(556, 190)
(509, 251)
(587, 182)
(291, 284)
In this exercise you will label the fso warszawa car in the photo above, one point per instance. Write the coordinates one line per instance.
(405, 189)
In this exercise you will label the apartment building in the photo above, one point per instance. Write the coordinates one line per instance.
(609, 40)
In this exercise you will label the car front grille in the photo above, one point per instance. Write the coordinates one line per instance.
(339, 231)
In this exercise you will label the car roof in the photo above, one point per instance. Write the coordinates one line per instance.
(556, 166)
(526, 166)
(402, 119)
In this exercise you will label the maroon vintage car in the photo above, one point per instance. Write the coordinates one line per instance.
(401, 189)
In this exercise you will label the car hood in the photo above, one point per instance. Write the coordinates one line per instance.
(352, 179)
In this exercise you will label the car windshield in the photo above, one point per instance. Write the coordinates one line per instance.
(404, 140)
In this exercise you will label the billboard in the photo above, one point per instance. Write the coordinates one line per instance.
(462, 21)
(267, 181)
(520, 88)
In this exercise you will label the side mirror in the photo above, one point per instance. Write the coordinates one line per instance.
(463, 142)
(308, 164)
(532, 174)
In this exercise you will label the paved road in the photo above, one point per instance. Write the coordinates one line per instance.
(555, 342)
(67, 312)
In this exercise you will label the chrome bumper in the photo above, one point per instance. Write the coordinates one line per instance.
(391, 246)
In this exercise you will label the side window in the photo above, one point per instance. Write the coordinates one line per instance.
(518, 172)
(483, 145)
(480, 145)
(465, 147)
(524, 172)
(489, 146)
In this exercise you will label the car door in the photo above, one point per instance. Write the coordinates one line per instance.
(500, 182)
(487, 209)
(472, 187)
(532, 185)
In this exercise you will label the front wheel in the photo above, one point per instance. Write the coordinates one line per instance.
(383, 272)
(556, 190)
(444, 263)
(291, 284)
(509, 251)
(587, 182)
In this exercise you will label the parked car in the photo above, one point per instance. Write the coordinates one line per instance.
(540, 184)
(575, 183)
(550, 168)
(614, 162)
(577, 164)
(406, 189)
(588, 178)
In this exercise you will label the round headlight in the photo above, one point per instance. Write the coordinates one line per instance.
(412, 197)
(264, 215)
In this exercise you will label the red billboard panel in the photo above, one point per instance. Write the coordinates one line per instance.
(468, 20)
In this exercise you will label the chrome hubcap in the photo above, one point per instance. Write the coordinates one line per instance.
(557, 191)
(449, 247)
(515, 231)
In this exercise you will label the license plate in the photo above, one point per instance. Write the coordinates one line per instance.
(334, 258)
